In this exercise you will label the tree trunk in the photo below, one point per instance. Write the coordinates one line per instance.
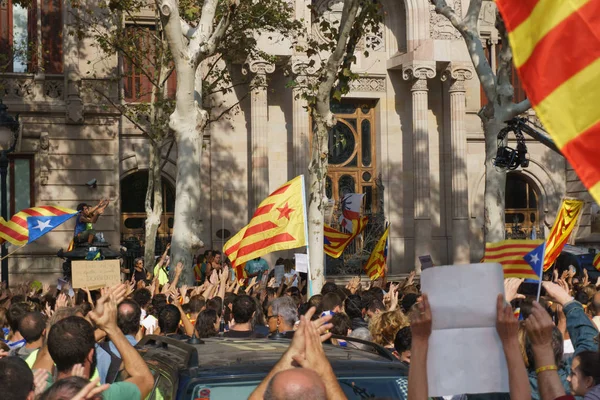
(154, 206)
(495, 183)
(317, 174)
(188, 122)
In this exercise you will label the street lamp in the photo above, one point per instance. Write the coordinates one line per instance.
(9, 132)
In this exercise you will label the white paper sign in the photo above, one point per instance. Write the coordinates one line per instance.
(278, 275)
(301, 262)
(463, 307)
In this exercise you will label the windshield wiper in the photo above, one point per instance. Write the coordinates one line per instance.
(359, 391)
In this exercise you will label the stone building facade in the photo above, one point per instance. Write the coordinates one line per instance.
(410, 118)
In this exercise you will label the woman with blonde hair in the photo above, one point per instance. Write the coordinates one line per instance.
(384, 327)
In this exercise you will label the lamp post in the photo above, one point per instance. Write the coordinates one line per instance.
(9, 131)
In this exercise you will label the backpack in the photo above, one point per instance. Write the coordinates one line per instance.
(115, 363)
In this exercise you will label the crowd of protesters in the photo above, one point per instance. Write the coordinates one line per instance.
(72, 344)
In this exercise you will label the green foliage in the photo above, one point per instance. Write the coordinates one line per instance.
(366, 27)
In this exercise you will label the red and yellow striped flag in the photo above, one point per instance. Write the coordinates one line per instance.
(30, 224)
(277, 224)
(375, 266)
(335, 242)
(510, 254)
(565, 222)
(556, 50)
(596, 262)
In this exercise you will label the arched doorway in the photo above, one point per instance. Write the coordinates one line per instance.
(522, 204)
(133, 214)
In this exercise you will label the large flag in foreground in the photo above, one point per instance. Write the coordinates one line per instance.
(335, 242)
(277, 224)
(375, 266)
(556, 50)
(31, 223)
(511, 253)
(565, 222)
(535, 258)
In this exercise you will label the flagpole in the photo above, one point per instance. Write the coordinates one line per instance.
(12, 252)
(310, 291)
(541, 272)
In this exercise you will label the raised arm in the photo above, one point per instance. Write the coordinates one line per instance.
(164, 255)
(581, 330)
(508, 330)
(420, 325)
(105, 317)
(539, 328)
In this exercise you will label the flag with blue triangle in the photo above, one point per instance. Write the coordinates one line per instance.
(535, 258)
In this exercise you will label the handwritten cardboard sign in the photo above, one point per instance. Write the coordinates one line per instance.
(96, 274)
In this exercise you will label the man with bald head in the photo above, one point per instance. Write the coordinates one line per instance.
(129, 314)
(296, 384)
(315, 379)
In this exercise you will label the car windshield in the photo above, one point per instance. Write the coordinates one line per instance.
(354, 387)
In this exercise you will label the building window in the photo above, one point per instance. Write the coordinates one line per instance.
(352, 153)
(20, 47)
(140, 72)
(20, 183)
(521, 208)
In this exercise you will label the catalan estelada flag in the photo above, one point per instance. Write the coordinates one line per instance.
(335, 242)
(277, 224)
(511, 253)
(375, 266)
(565, 222)
(556, 50)
(596, 262)
(30, 224)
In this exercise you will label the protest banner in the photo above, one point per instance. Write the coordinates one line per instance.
(96, 274)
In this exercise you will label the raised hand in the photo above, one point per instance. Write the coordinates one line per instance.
(214, 278)
(420, 321)
(586, 278)
(511, 285)
(558, 292)
(411, 278)
(271, 283)
(105, 314)
(539, 326)
(393, 297)
(224, 274)
(78, 370)
(61, 301)
(39, 381)
(45, 288)
(554, 274)
(91, 390)
(165, 289)
(507, 325)
(179, 268)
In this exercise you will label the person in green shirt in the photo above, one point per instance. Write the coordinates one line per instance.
(161, 273)
(71, 342)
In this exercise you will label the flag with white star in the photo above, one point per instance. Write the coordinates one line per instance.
(535, 258)
(30, 224)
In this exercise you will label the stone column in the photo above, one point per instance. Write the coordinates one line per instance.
(456, 75)
(417, 74)
(72, 74)
(300, 118)
(259, 131)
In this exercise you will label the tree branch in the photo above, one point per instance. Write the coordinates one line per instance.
(468, 29)
(228, 109)
(169, 14)
(518, 108)
(504, 87)
(208, 47)
(123, 110)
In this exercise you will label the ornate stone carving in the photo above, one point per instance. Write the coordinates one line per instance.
(44, 149)
(18, 88)
(439, 26)
(368, 84)
(457, 75)
(260, 69)
(487, 15)
(418, 74)
(304, 72)
(53, 89)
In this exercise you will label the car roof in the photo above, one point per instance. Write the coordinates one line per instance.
(220, 353)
